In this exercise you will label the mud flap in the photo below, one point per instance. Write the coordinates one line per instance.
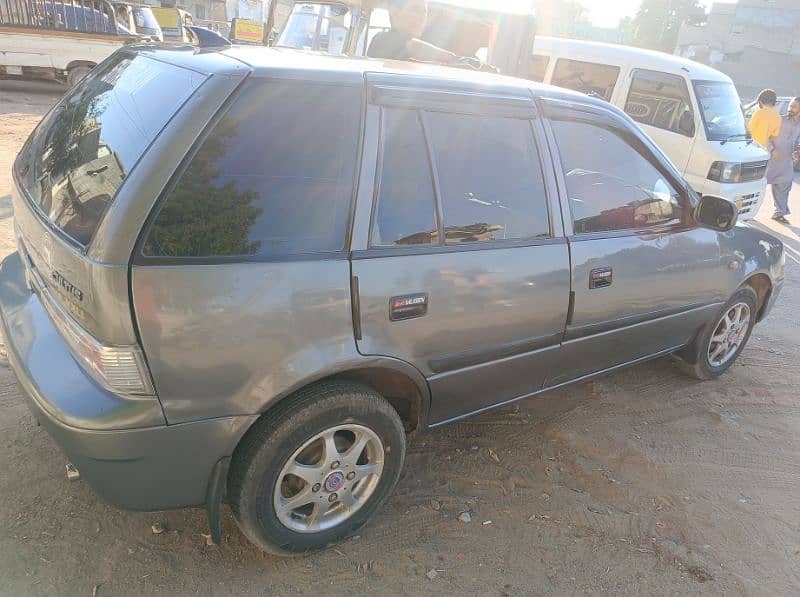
(214, 495)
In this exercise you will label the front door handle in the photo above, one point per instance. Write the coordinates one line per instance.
(602, 277)
(408, 306)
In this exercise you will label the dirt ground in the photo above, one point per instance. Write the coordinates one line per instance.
(644, 482)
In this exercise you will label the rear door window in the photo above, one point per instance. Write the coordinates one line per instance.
(587, 77)
(490, 178)
(488, 182)
(405, 213)
(273, 177)
(81, 153)
(659, 100)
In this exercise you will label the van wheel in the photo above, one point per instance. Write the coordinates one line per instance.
(76, 73)
(315, 469)
(720, 343)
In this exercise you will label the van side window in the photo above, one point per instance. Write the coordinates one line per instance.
(611, 186)
(586, 77)
(405, 213)
(490, 178)
(537, 67)
(662, 101)
(273, 177)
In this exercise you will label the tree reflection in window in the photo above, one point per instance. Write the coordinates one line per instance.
(273, 177)
(202, 217)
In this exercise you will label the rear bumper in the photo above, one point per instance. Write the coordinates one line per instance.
(122, 447)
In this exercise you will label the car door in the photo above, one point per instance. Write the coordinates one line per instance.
(643, 273)
(662, 105)
(458, 267)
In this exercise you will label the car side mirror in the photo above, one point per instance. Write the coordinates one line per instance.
(686, 124)
(716, 213)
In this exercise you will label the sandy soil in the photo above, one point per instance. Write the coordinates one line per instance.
(644, 482)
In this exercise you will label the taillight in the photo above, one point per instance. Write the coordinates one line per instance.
(120, 369)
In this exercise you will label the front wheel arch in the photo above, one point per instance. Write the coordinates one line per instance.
(692, 359)
(762, 285)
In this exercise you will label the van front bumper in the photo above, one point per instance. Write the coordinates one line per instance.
(748, 196)
(123, 447)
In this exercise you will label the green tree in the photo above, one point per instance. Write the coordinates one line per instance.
(658, 22)
(575, 12)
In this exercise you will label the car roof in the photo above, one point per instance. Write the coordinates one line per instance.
(619, 54)
(307, 65)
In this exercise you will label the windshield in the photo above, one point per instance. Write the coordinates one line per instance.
(317, 27)
(721, 110)
(145, 21)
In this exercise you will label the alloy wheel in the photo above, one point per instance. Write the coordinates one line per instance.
(329, 478)
(728, 336)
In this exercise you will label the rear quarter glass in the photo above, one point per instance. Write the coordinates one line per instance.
(273, 177)
(80, 155)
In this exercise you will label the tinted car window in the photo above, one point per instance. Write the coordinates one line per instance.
(659, 100)
(490, 178)
(81, 153)
(273, 177)
(612, 186)
(586, 77)
(537, 67)
(406, 209)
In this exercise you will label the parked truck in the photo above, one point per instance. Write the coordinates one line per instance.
(58, 40)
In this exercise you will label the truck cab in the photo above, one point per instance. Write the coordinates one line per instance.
(501, 36)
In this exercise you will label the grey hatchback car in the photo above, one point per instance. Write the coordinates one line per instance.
(245, 274)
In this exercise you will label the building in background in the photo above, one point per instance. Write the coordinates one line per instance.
(755, 42)
(559, 18)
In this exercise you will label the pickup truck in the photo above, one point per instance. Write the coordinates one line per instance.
(55, 40)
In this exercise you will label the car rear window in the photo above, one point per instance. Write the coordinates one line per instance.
(273, 177)
(80, 154)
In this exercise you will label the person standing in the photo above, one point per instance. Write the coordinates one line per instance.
(402, 42)
(780, 170)
(766, 122)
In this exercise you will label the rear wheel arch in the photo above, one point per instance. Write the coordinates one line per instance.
(398, 382)
(407, 395)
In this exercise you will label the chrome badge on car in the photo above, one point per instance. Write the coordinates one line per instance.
(71, 289)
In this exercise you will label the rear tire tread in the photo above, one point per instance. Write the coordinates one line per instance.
(292, 413)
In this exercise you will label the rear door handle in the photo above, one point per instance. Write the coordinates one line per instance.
(408, 306)
(602, 277)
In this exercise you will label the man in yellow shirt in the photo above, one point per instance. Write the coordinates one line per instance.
(766, 122)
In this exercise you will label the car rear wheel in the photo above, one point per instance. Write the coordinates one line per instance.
(720, 343)
(317, 468)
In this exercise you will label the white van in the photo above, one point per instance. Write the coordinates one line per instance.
(691, 111)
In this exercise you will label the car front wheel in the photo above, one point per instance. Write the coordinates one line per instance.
(720, 343)
(317, 468)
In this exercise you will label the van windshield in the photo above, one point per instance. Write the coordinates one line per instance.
(80, 154)
(721, 110)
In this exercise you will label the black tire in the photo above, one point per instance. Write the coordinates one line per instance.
(76, 74)
(261, 455)
(694, 359)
